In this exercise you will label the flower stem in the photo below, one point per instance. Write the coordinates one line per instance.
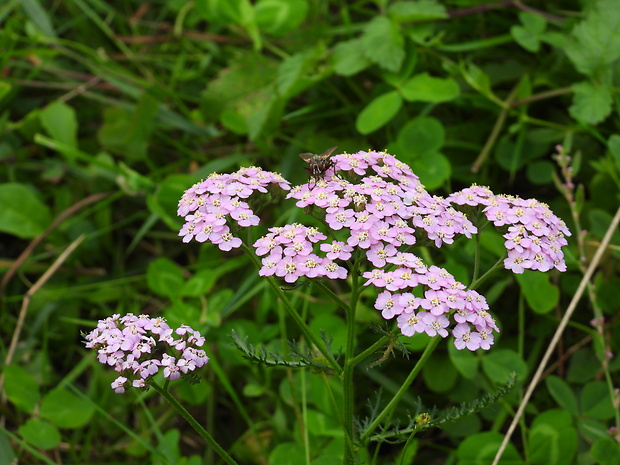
(430, 347)
(301, 324)
(192, 421)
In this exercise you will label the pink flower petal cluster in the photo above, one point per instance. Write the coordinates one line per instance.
(128, 344)
(209, 206)
(289, 253)
(534, 235)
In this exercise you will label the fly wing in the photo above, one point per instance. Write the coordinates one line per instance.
(327, 153)
(307, 156)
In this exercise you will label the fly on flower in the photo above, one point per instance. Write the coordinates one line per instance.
(318, 165)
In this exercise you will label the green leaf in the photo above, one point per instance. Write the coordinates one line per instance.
(199, 284)
(322, 425)
(425, 88)
(278, 17)
(65, 409)
(552, 439)
(5, 88)
(420, 10)
(591, 103)
(224, 11)
(7, 454)
(614, 147)
(528, 35)
(38, 15)
(421, 135)
(438, 374)
(128, 131)
(596, 402)
(541, 295)
(40, 433)
(433, 169)
(478, 79)
(595, 43)
(164, 277)
(164, 201)
(480, 449)
(606, 452)
(562, 394)
(378, 112)
(22, 213)
(499, 364)
(21, 388)
(592, 430)
(383, 43)
(60, 122)
(465, 361)
(348, 57)
(288, 453)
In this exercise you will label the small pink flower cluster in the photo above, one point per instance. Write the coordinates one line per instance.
(215, 200)
(534, 236)
(443, 297)
(127, 344)
(290, 254)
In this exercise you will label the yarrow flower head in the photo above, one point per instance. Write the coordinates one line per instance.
(128, 345)
(377, 210)
(209, 206)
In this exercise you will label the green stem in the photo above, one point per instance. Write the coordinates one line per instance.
(192, 421)
(301, 324)
(371, 350)
(498, 264)
(430, 347)
(349, 367)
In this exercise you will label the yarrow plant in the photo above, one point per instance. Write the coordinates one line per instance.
(375, 213)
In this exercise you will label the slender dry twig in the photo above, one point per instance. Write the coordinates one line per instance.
(558, 333)
(37, 240)
(26, 303)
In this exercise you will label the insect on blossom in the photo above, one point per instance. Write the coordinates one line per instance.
(318, 165)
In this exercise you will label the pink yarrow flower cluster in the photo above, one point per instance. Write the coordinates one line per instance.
(127, 344)
(376, 209)
(209, 206)
(534, 235)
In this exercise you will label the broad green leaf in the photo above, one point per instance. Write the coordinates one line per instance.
(419, 10)
(323, 425)
(591, 103)
(425, 88)
(528, 35)
(21, 388)
(65, 409)
(552, 439)
(433, 169)
(328, 323)
(348, 57)
(38, 15)
(480, 449)
(592, 430)
(278, 17)
(287, 453)
(199, 284)
(40, 433)
(541, 172)
(606, 452)
(438, 374)
(464, 361)
(596, 402)
(478, 79)
(180, 313)
(225, 11)
(562, 394)
(422, 135)
(541, 295)
(378, 112)
(164, 201)
(614, 147)
(164, 277)
(7, 454)
(499, 364)
(22, 213)
(299, 71)
(129, 131)
(60, 121)
(595, 43)
(383, 43)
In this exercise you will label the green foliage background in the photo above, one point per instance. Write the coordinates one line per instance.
(109, 110)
